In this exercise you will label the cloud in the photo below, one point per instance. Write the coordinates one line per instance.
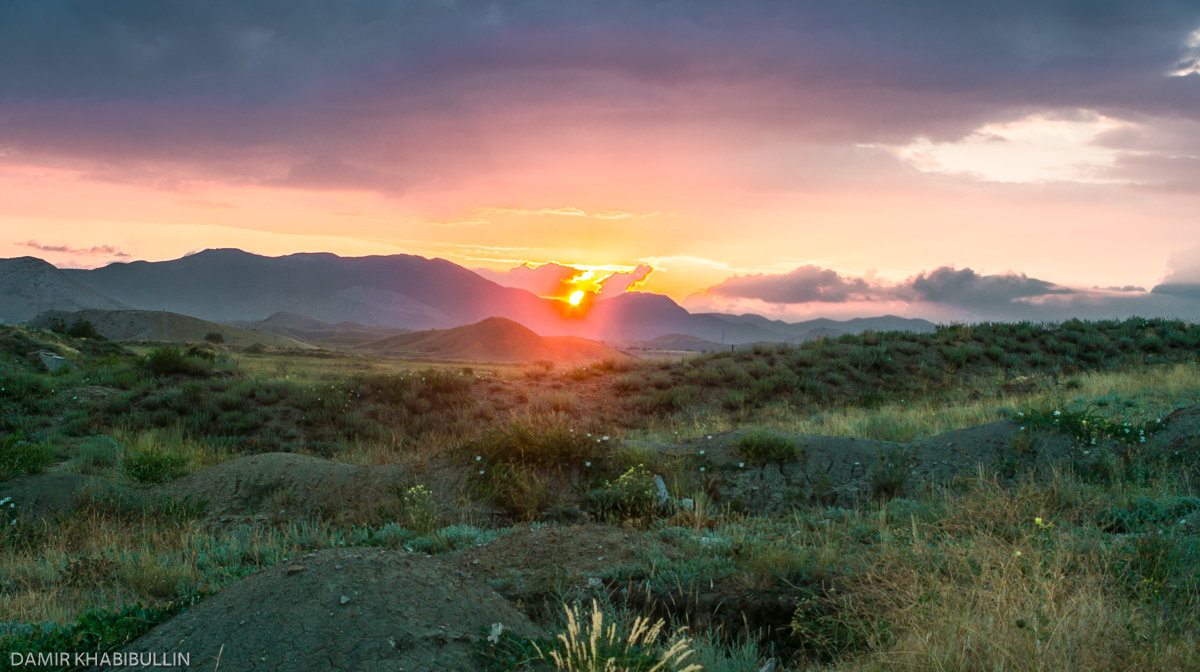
(568, 211)
(624, 281)
(960, 289)
(559, 280)
(94, 251)
(805, 284)
(1182, 278)
(544, 280)
(967, 289)
(391, 95)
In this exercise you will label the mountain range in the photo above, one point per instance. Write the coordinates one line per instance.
(365, 298)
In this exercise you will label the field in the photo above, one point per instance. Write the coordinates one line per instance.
(994, 496)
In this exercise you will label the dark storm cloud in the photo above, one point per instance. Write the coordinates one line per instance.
(384, 85)
(968, 289)
(805, 284)
(973, 296)
(961, 288)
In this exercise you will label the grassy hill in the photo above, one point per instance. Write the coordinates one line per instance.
(495, 339)
(156, 325)
(317, 332)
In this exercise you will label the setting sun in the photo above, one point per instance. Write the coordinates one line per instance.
(576, 297)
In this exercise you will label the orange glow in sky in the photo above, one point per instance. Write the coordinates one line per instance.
(652, 147)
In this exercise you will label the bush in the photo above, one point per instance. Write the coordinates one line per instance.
(418, 512)
(588, 644)
(97, 631)
(96, 453)
(154, 466)
(889, 477)
(767, 446)
(18, 456)
(631, 497)
(543, 445)
(214, 337)
(171, 361)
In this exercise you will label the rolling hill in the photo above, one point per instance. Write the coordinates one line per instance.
(391, 291)
(337, 301)
(29, 286)
(157, 325)
(324, 334)
(495, 339)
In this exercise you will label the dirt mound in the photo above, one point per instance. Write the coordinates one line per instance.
(286, 484)
(45, 495)
(495, 339)
(290, 486)
(1180, 430)
(358, 609)
(529, 563)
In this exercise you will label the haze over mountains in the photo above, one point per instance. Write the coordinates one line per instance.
(29, 286)
(325, 294)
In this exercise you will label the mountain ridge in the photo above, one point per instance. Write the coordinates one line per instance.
(400, 291)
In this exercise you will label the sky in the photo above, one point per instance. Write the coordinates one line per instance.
(943, 159)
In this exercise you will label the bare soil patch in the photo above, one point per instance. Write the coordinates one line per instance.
(360, 609)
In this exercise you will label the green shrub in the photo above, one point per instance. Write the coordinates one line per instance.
(96, 453)
(631, 497)
(171, 361)
(517, 489)
(547, 444)
(767, 446)
(154, 466)
(418, 511)
(1144, 513)
(889, 476)
(96, 631)
(18, 456)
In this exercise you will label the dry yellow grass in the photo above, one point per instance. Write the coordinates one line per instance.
(994, 587)
(1151, 391)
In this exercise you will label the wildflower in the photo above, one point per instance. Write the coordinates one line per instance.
(741, 465)
(478, 458)
(587, 464)
(482, 472)
(494, 637)
(702, 452)
(701, 468)
(710, 436)
(1057, 413)
(1018, 554)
